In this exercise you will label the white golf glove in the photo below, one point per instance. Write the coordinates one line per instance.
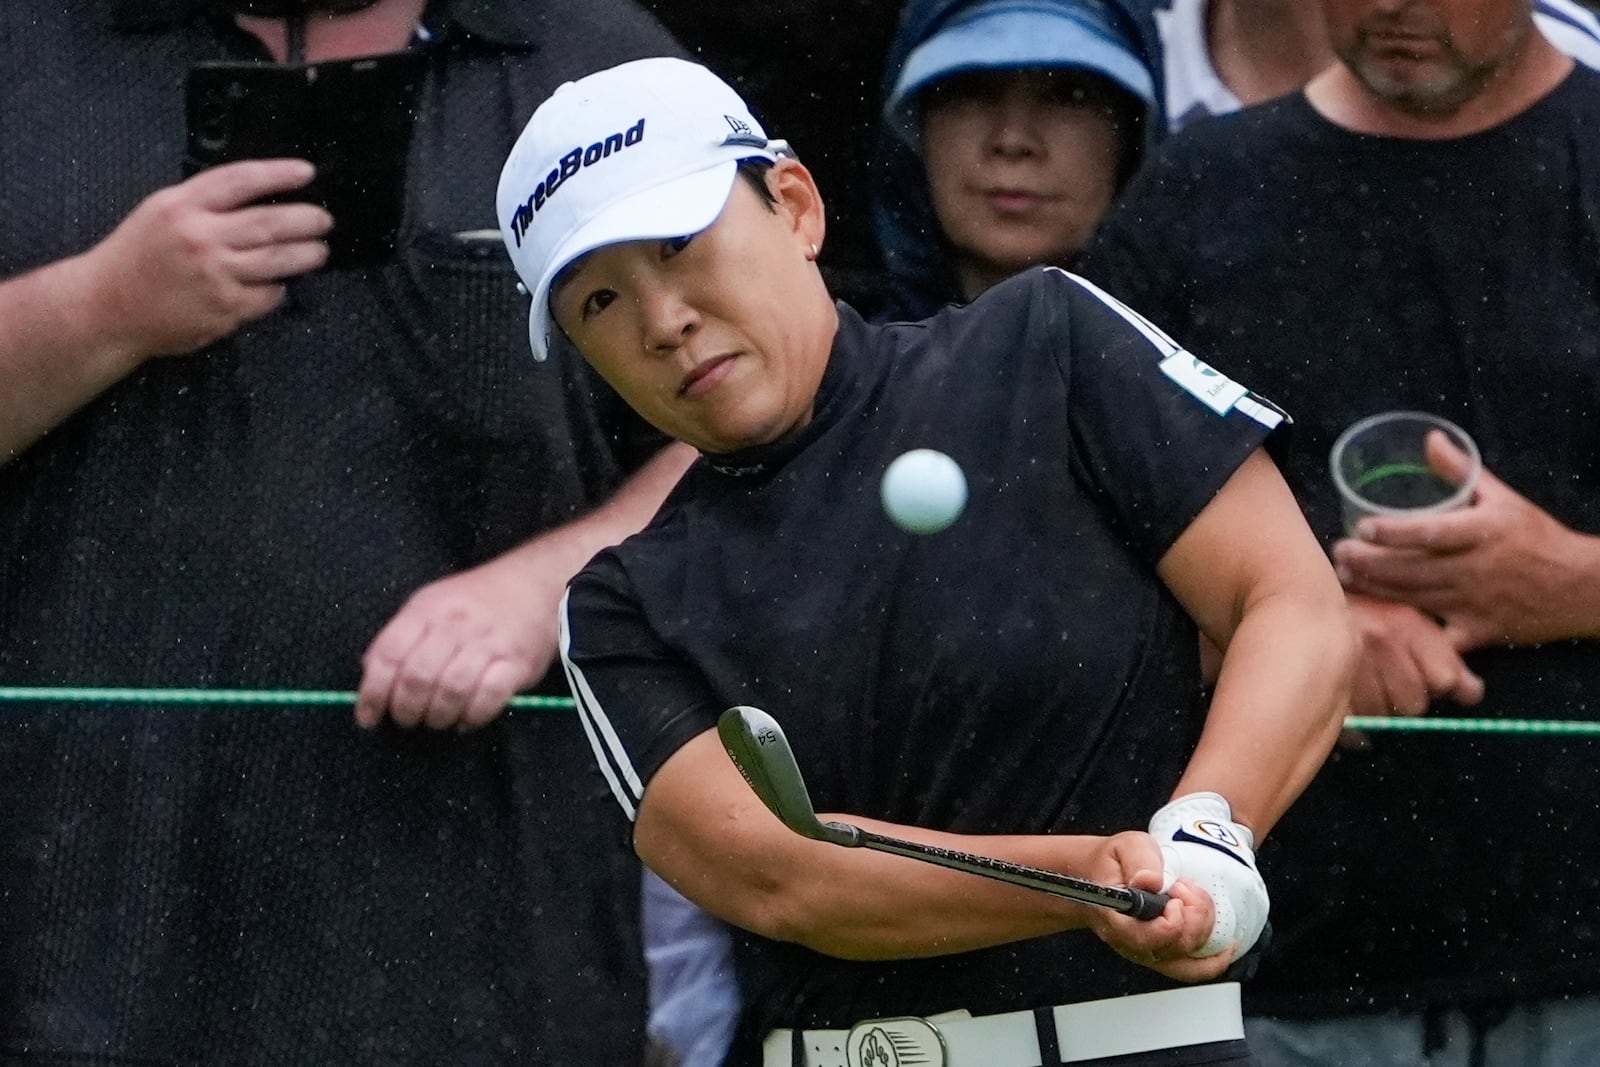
(1201, 844)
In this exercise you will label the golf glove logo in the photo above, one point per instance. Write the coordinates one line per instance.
(1201, 844)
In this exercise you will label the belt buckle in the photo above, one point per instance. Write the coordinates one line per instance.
(904, 1041)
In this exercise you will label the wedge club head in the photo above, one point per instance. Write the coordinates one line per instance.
(757, 746)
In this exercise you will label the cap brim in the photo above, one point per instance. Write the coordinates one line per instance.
(675, 208)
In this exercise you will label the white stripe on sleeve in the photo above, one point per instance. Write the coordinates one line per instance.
(613, 758)
(1269, 417)
(1239, 399)
(1152, 333)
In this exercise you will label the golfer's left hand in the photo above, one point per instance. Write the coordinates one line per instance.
(1167, 943)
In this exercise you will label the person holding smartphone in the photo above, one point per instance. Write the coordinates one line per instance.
(225, 463)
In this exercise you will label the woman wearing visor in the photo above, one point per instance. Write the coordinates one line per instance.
(1008, 128)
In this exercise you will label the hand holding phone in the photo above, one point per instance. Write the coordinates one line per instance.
(351, 118)
(193, 262)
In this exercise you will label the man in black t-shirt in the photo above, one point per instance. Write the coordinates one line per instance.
(1421, 229)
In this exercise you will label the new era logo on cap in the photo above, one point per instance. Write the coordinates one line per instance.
(644, 150)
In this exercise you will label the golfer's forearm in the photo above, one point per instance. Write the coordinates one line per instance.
(855, 903)
(702, 828)
(54, 357)
(1279, 701)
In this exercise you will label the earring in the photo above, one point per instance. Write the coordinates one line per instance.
(813, 254)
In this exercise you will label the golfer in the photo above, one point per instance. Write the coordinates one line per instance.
(1024, 683)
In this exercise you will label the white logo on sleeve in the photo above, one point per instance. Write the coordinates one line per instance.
(1205, 383)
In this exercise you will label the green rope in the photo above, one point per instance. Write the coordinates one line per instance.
(348, 699)
(1404, 724)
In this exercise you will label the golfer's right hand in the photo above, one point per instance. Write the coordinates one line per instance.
(195, 261)
(1167, 943)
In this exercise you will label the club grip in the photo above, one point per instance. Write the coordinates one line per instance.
(1146, 904)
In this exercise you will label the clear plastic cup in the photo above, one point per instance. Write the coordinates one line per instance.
(1380, 467)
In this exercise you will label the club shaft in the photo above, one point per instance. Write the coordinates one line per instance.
(1140, 903)
(755, 743)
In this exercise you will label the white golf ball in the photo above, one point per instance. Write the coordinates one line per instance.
(924, 491)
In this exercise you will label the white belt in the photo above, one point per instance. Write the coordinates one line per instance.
(1091, 1030)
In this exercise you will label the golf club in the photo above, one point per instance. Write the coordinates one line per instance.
(755, 743)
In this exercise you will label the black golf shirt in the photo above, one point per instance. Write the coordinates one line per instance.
(1023, 671)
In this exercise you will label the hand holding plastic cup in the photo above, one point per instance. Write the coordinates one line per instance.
(1380, 466)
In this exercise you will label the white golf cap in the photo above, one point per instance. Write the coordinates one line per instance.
(642, 150)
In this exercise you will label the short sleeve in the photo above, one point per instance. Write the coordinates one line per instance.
(1155, 431)
(638, 699)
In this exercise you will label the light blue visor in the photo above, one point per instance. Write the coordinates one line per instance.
(1006, 34)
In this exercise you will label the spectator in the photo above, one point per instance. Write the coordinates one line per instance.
(200, 885)
(694, 991)
(1221, 55)
(1009, 126)
(969, 680)
(1417, 229)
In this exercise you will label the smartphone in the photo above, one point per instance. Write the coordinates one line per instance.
(352, 118)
